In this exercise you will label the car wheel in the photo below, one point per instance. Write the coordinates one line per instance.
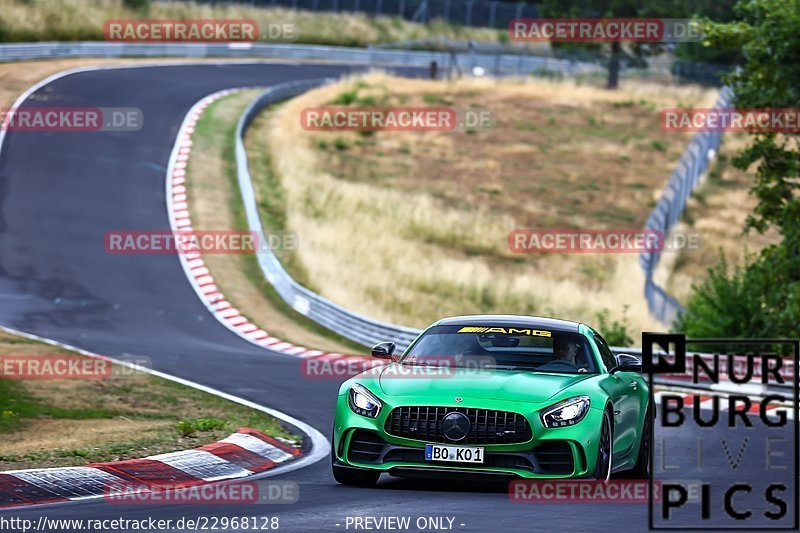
(602, 469)
(642, 468)
(355, 476)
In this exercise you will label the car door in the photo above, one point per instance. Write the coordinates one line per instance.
(625, 390)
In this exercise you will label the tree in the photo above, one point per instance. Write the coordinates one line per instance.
(768, 34)
(617, 52)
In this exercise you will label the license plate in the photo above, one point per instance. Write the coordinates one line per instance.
(455, 454)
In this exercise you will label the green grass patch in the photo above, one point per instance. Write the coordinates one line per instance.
(131, 415)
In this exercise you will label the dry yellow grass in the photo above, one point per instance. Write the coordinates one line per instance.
(47, 435)
(36, 20)
(403, 255)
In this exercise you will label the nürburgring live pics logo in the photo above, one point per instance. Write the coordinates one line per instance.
(725, 459)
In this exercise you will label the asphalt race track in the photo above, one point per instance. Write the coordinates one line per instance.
(59, 193)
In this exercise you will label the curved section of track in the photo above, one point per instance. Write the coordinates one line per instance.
(59, 194)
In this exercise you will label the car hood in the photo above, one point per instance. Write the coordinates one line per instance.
(523, 386)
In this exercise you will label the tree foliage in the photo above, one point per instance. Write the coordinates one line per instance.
(762, 298)
(636, 54)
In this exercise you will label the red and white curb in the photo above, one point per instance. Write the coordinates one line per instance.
(193, 265)
(243, 454)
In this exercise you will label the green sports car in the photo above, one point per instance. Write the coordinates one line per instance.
(496, 395)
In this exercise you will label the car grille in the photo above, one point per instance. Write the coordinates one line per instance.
(486, 426)
(365, 447)
(554, 458)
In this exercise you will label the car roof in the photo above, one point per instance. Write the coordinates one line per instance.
(516, 320)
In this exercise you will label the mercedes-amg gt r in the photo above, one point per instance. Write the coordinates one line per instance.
(495, 395)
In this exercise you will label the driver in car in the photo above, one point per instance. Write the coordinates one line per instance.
(461, 348)
(565, 353)
(444, 350)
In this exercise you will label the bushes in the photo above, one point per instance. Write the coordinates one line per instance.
(758, 300)
(762, 298)
(725, 304)
(615, 333)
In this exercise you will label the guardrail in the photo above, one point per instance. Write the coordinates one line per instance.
(42, 50)
(684, 179)
(353, 326)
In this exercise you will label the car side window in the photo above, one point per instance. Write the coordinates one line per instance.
(605, 352)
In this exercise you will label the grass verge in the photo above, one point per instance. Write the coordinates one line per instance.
(73, 20)
(215, 203)
(70, 422)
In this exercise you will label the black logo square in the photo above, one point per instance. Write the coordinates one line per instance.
(663, 341)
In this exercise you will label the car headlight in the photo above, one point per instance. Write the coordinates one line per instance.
(566, 413)
(363, 402)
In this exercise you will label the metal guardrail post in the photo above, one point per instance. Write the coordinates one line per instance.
(492, 13)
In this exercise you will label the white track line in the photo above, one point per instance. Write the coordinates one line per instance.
(320, 446)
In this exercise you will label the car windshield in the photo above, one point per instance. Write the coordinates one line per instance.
(502, 347)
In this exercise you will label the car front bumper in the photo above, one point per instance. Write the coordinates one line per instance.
(565, 452)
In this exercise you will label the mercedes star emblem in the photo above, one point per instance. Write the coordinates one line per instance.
(455, 426)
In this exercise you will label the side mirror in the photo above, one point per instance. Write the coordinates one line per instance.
(627, 363)
(383, 350)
